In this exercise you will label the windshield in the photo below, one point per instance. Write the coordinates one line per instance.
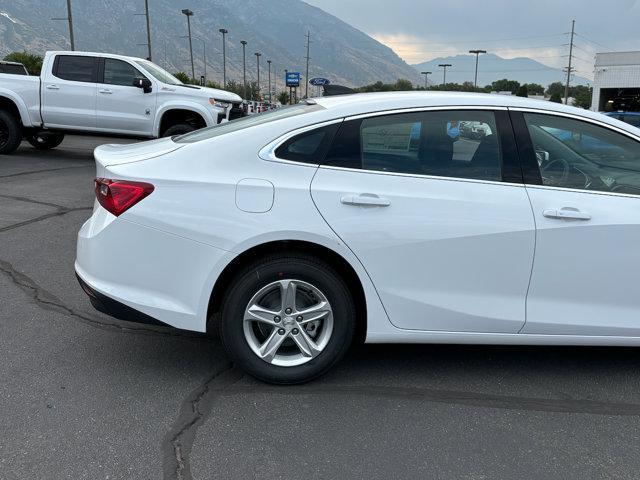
(159, 73)
(246, 122)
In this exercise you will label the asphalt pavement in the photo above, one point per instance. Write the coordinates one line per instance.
(85, 396)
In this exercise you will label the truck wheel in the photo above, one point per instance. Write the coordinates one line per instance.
(178, 129)
(45, 140)
(10, 133)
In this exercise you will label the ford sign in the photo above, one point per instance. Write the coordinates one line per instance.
(319, 82)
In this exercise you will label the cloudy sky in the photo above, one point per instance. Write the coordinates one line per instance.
(420, 30)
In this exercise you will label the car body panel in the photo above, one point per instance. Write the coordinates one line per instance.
(446, 254)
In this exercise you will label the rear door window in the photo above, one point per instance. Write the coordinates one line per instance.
(76, 68)
(460, 144)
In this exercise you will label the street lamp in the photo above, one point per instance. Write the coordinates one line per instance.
(224, 32)
(444, 77)
(269, 63)
(477, 54)
(426, 75)
(189, 14)
(244, 68)
(258, 55)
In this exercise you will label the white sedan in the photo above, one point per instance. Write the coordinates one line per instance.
(366, 217)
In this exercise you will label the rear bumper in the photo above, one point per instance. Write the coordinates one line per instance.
(116, 309)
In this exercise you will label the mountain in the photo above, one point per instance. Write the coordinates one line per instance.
(492, 67)
(275, 28)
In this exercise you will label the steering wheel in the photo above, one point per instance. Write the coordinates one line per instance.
(556, 172)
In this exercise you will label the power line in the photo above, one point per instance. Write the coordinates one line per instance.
(593, 41)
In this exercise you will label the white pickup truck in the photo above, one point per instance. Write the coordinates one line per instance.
(83, 92)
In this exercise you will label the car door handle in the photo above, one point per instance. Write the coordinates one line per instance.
(52, 87)
(366, 199)
(106, 91)
(567, 213)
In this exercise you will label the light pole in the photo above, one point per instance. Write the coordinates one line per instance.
(244, 68)
(426, 82)
(477, 54)
(269, 63)
(189, 14)
(204, 55)
(444, 75)
(224, 32)
(258, 55)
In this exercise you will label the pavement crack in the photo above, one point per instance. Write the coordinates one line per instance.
(31, 200)
(48, 301)
(46, 216)
(177, 444)
(44, 170)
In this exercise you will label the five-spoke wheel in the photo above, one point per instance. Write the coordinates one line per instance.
(288, 319)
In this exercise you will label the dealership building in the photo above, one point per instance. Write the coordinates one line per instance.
(616, 84)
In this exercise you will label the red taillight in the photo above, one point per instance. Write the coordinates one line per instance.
(117, 196)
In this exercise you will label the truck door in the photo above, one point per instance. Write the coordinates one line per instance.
(122, 107)
(69, 93)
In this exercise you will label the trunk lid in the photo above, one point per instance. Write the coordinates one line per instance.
(120, 154)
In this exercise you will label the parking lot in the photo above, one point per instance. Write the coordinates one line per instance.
(87, 396)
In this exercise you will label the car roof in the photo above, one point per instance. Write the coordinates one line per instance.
(362, 103)
(94, 54)
(5, 62)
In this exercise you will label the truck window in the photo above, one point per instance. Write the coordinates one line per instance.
(13, 68)
(75, 68)
(117, 72)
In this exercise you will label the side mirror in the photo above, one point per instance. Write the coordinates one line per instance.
(143, 83)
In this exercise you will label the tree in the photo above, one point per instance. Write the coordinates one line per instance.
(506, 85)
(523, 91)
(556, 98)
(183, 77)
(555, 87)
(283, 97)
(33, 63)
(581, 95)
(403, 85)
(534, 88)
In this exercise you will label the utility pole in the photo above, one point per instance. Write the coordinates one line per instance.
(224, 32)
(426, 83)
(444, 75)
(244, 68)
(146, 14)
(477, 54)
(569, 69)
(69, 19)
(258, 55)
(306, 83)
(189, 14)
(269, 63)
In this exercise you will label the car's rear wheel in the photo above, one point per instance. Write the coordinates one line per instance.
(288, 319)
(178, 129)
(10, 133)
(45, 140)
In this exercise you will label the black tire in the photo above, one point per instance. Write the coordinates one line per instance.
(178, 129)
(45, 140)
(281, 267)
(10, 133)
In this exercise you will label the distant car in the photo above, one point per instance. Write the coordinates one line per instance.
(13, 68)
(297, 231)
(632, 118)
